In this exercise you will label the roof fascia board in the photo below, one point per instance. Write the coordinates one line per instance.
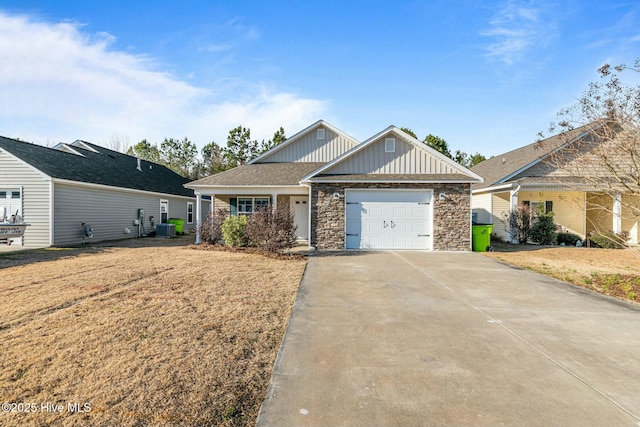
(112, 188)
(493, 188)
(81, 144)
(407, 138)
(299, 135)
(250, 190)
(66, 148)
(402, 181)
(28, 165)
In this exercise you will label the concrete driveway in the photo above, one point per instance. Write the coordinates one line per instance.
(418, 338)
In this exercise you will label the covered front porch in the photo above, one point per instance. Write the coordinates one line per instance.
(579, 212)
(240, 200)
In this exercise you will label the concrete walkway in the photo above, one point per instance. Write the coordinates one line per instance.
(417, 338)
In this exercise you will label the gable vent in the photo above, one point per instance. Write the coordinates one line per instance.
(320, 134)
(389, 145)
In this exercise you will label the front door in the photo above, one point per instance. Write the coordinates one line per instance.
(300, 209)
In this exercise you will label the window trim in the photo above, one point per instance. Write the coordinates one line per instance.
(389, 145)
(189, 212)
(253, 200)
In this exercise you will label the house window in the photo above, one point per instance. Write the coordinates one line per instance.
(164, 211)
(389, 145)
(189, 212)
(249, 205)
(320, 134)
(3, 194)
(537, 206)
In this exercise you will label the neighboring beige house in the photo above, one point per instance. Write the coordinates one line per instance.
(388, 192)
(58, 189)
(525, 176)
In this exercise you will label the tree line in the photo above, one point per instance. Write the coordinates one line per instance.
(182, 156)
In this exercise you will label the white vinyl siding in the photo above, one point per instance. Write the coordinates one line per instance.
(108, 212)
(481, 208)
(501, 207)
(309, 148)
(35, 197)
(406, 159)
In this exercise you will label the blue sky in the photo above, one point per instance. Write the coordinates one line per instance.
(485, 76)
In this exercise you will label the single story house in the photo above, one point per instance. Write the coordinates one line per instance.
(535, 175)
(61, 190)
(388, 192)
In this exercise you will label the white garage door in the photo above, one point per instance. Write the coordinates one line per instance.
(389, 219)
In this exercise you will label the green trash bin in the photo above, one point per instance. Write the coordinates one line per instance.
(481, 237)
(178, 222)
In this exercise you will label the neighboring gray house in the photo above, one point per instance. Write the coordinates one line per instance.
(58, 189)
(388, 192)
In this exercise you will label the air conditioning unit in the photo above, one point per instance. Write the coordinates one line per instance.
(166, 230)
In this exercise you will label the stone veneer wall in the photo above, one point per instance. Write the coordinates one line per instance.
(451, 216)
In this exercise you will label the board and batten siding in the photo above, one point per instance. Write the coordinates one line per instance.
(481, 208)
(406, 159)
(107, 211)
(15, 174)
(311, 149)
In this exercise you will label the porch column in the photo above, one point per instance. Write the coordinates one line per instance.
(198, 217)
(274, 197)
(512, 206)
(617, 213)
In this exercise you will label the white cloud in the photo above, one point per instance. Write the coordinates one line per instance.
(518, 27)
(60, 84)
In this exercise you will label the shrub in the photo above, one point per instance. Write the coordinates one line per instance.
(610, 240)
(543, 230)
(568, 239)
(233, 231)
(210, 229)
(272, 230)
(520, 221)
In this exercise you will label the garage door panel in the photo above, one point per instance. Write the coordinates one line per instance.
(388, 219)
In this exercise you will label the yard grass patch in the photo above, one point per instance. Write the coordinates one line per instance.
(146, 335)
(614, 272)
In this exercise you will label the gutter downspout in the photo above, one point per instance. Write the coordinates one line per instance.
(513, 199)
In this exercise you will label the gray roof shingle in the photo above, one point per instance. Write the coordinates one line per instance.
(261, 174)
(106, 167)
(497, 168)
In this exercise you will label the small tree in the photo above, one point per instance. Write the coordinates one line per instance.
(272, 230)
(543, 230)
(520, 221)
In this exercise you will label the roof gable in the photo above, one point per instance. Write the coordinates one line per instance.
(97, 165)
(320, 142)
(513, 164)
(393, 153)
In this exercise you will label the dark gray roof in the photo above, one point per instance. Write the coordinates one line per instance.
(394, 177)
(497, 168)
(289, 173)
(106, 167)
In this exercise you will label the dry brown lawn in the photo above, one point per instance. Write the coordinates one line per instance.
(163, 335)
(614, 272)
